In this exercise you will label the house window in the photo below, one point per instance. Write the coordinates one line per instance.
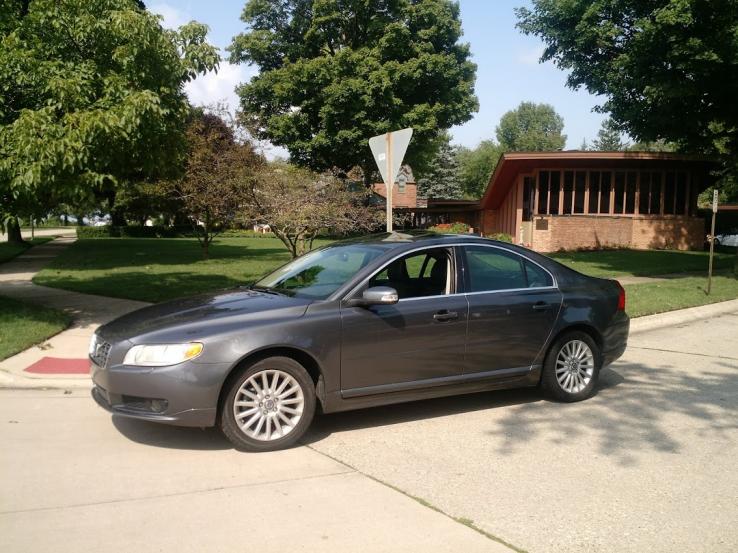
(630, 193)
(553, 205)
(605, 192)
(528, 197)
(579, 185)
(594, 191)
(655, 204)
(568, 191)
(619, 199)
(543, 178)
(669, 193)
(645, 193)
(681, 193)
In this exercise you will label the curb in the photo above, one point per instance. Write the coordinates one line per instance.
(680, 316)
(9, 381)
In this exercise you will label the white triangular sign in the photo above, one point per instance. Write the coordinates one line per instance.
(395, 142)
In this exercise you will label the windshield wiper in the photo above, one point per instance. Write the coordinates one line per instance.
(273, 291)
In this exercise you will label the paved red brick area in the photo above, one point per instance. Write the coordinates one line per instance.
(56, 365)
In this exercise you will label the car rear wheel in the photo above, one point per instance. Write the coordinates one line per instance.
(269, 406)
(572, 367)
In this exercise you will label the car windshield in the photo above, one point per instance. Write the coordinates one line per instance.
(316, 275)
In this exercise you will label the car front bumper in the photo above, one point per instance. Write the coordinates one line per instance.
(183, 395)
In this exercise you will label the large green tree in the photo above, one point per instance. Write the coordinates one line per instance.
(531, 127)
(667, 68)
(441, 178)
(335, 72)
(476, 166)
(609, 137)
(91, 96)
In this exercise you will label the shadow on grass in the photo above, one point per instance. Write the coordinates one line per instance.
(104, 254)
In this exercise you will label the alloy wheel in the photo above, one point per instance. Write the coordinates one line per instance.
(574, 366)
(268, 405)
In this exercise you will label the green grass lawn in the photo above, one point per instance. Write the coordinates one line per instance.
(678, 293)
(23, 325)
(157, 269)
(615, 263)
(9, 251)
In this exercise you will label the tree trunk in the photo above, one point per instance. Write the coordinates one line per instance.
(80, 220)
(14, 231)
(206, 248)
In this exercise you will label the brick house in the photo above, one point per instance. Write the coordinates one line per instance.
(404, 191)
(569, 200)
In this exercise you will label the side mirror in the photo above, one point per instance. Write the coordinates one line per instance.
(377, 295)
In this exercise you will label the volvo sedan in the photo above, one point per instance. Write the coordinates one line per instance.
(360, 323)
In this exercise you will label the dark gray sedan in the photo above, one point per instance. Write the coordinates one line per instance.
(373, 321)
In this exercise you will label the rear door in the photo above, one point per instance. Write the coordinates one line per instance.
(513, 305)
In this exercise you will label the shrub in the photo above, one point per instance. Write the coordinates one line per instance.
(501, 236)
(451, 228)
(134, 231)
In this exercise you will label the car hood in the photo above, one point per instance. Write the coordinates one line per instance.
(198, 315)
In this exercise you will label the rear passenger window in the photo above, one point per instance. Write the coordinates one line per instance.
(537, 276)
(492, 269)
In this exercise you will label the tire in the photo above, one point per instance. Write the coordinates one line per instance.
(254, 418)
(578, 360)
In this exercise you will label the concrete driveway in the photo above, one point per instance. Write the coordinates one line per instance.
(648, 464)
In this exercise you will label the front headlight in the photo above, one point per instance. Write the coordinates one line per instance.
(93, 344)
(162, 355)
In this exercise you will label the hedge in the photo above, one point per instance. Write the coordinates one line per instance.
(134, 231)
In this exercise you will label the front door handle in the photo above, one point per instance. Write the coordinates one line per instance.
(445, 315)
(541, 306)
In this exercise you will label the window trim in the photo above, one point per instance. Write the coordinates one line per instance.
(453, 266)
(554, 286)
(459, 268)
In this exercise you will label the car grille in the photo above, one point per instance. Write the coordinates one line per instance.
(101, 352)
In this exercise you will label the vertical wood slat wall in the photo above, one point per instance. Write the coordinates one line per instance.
(516, 190)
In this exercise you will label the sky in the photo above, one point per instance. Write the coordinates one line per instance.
(508, 71)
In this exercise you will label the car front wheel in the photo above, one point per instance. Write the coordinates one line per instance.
(572, 367)
(268, 406)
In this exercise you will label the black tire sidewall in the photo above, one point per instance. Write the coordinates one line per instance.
(228, 423)
(550, 383)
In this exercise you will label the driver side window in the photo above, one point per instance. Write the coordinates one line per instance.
(419, 274)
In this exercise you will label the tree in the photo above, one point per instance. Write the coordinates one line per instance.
(476, 167)
(216, 181)
(609, 138)
(91, 96)
(441, 178)
(333, 73)
(297, 204)
(531, 128)
(666, 68)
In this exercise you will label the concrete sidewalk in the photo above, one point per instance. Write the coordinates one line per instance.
(87, 312)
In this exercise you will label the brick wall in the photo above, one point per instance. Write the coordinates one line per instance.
(587, 232)
(408, 198)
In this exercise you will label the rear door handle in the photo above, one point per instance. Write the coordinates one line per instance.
(445, 315)
(541, 306)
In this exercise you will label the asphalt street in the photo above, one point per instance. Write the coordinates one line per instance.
(648, 464)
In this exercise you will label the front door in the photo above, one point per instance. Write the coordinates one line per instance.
(419, 338)
(513, 306)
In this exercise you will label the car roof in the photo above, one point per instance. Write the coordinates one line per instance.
(411, 239)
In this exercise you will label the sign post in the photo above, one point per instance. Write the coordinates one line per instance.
(712, 238)
(389, 150)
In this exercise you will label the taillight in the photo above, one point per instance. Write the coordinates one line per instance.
(621, 296)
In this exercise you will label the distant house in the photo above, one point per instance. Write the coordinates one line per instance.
(579, 199)
(404, 192)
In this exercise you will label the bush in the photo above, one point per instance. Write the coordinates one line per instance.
(134, 231)
(451, 228)
(501, 237)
